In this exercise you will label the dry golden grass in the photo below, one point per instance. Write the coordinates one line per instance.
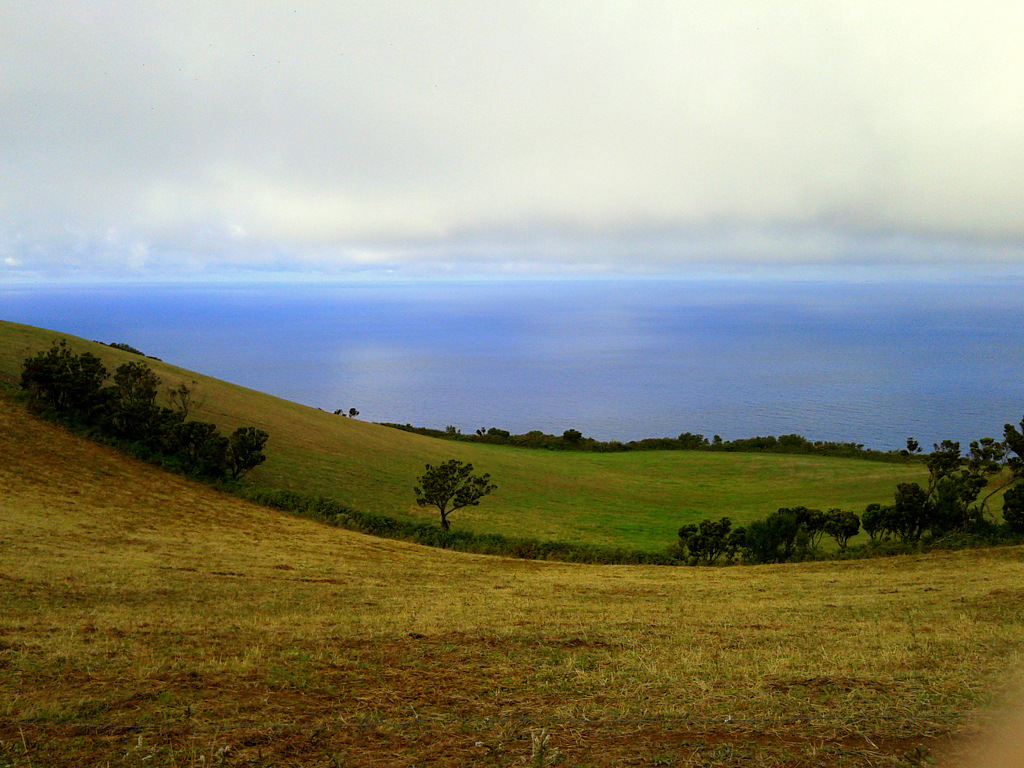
(147, 620)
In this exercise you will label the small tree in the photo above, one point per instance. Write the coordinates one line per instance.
(691, 442)
(911, 513)
(133, 412)
(59, 379)
(1014, 443)
(773, 539)
(813, 523)
(709, 541)
(182, 400)
(841, 526)
(1013, 508)
(245, 450)
(572, 437)
(197, 448)
(451, 486)
(874, 521)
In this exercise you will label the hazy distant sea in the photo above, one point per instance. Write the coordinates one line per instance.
(870, 362)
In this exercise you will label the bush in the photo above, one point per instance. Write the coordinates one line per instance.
(709, 541)
(841, 526)
(126, 415)
(64, 383)
(1013, 509)
(772, 540)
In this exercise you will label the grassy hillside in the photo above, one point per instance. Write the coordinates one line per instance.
(149, 621)
(636, 500)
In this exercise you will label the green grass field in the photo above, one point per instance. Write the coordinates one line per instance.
(634, 500)
(146, 620)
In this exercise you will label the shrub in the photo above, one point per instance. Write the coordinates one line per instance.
(1013, 508)
(772, 540)
(60, 381)
(841, 526)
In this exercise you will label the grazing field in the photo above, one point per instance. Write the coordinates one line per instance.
(634, 500)
(149, 621)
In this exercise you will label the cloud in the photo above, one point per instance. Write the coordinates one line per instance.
(591, 134)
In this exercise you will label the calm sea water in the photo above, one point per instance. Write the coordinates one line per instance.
(870, 362)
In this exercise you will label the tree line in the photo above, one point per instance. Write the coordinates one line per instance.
(122, 408)
(574, 440)
(952, 507)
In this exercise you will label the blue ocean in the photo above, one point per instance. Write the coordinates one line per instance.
(870, 362)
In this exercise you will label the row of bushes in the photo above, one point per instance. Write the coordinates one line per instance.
(573, 440)
(72, 389)
(951, 508)
(788, 535)
(335, 513)
(794, 535)
(784, 535)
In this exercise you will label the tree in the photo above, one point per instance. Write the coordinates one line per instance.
(572, 436)
(942, 462)
(1013, 442)
(773, 539)
(955, 482)
(813, 523)
(691, 442)
(125, 347)
(197, 448)
(182, 400)
(841, 526)
(985, 460)
(874, 520)
(450, 486)
(1013, 508)
(69, 384)
(245, 450)
(709, 541)
(134, 414)
(911, 512)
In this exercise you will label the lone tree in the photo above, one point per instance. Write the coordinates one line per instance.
(451, 486)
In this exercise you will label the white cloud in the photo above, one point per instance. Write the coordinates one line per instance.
(250, 134)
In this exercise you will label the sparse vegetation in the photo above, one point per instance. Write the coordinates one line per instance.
(126, 348)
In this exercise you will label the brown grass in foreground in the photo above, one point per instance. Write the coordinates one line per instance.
(146, 620)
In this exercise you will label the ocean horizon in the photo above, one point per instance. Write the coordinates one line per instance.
(868, 362)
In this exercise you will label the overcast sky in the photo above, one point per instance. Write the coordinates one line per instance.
(168, 137)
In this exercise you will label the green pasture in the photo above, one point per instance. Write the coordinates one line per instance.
(635, 500)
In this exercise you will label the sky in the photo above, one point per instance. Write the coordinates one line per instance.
(171, 139)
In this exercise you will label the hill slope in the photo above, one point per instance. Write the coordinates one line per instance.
(148, 620)
(635, 500)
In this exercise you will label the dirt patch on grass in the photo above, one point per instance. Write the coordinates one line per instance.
(470, 743)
